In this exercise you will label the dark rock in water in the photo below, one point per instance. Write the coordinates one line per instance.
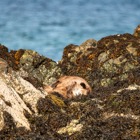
(111, 66)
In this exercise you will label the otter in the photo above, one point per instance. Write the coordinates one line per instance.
(69, 87)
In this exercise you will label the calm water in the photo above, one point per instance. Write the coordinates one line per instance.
(47, 26)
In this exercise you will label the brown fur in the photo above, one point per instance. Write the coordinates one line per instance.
(70, 86)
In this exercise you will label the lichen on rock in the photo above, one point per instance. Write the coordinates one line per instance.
(38, 67)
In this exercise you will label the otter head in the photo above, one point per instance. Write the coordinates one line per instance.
(71, 86)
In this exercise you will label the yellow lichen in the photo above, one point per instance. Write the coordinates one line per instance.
(91, 56)
(18, 55)
(57, 101)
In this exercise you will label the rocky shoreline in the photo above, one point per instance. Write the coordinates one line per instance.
(112, 68)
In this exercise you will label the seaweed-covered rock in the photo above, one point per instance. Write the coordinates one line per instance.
(78, 60)
(12, 103)
(111, 66)
(105, 116)
(5, 55)
(111, 60)
(38, 67)
(125, 100)
(137, 31)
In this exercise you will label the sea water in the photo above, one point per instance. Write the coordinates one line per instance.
(47, 26)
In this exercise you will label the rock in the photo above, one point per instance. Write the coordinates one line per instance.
(13, 104)
(71, 128)
(110, 62)
(3, 66)
(44, 70)
(17, 97)
(111, 66)
(5, 55)
(78, 58)
(137, 31)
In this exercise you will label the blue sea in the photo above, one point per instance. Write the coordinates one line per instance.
(47, 26)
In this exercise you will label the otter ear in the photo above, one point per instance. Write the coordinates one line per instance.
(83, 85)
(54, 85)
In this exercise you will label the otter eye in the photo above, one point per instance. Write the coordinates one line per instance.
(83, 85)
